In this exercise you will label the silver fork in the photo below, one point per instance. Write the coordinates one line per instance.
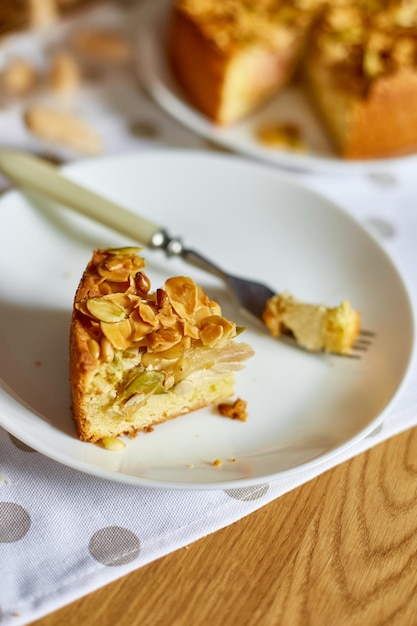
(33, 173)
(250, 295)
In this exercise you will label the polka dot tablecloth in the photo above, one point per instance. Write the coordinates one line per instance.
(64, 534)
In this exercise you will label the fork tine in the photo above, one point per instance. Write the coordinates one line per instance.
(363, 341)
(361, 345)
(367, 333)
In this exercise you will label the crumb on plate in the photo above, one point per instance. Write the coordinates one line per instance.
(234, 410)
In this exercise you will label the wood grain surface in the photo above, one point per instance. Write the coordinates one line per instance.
(340, 550)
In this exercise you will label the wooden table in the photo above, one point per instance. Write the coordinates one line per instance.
(340, 550)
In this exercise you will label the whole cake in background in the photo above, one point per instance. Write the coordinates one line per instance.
(140, 357)
(355, 59)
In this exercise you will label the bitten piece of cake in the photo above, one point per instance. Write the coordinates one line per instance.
(315, 327)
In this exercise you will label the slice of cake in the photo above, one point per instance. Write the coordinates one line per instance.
(361, 75)
(229, 56)
(315, 327)
(140, 357)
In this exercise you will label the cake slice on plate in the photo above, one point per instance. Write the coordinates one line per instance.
(139, 357)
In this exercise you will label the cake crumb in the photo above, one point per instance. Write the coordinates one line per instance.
(234, 410)
(285, 135)
(217, 463)
(112, 443)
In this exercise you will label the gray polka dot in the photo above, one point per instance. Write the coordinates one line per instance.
(384, 179)
(144, 129)
(248, 493)
(376, 431)
(381, 227)
(14, 522)
(114, 545)
(212, 145)
(19, 444)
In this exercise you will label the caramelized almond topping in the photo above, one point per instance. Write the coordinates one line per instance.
(182, 294)
(162, 324)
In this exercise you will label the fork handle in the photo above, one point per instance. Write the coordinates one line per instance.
(35, 174)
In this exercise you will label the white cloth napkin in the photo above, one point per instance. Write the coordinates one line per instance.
(64, 534)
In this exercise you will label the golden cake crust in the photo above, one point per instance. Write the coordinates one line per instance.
(81, 360)
(380, 126)
(188, 53)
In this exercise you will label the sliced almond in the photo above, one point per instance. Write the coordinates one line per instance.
(191, 330)
(126, 250)
(139, 328)
(106, 350)
(105, 310)
(60, 127)
(116, 270)
(147, 314)
(163, 339)
(167, 319)
(211, 334)
(94, 348)
(118, 333)
(183, 294)
(228, 327)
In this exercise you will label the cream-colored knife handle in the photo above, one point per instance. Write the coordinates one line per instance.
(33, 173)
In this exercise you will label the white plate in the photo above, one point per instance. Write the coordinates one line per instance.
(303, 408)
(289, 105)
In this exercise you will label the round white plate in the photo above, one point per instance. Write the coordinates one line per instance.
(289, 106)
(303, 408)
